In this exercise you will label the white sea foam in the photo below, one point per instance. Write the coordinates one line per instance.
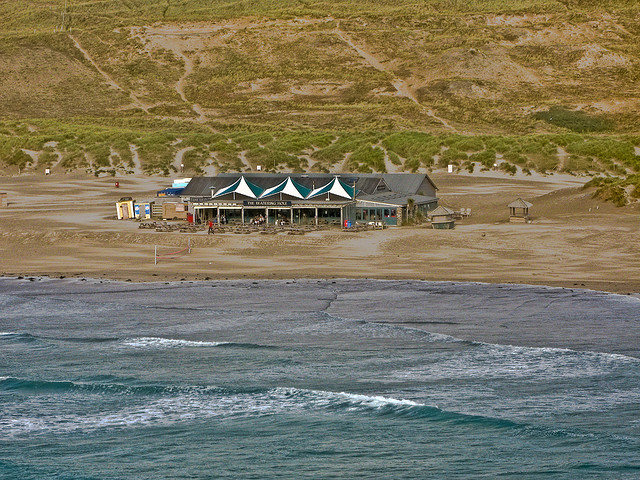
(555, 351)
(366, 400)
(194, 406)
(158, 342)
(318, 399)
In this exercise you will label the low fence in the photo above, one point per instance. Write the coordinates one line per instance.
(170, 255)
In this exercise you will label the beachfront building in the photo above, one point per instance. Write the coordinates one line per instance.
(309, 198)
(519, 211)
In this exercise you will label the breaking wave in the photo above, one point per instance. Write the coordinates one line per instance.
(17, 337)
(168, 405)
(159, 342)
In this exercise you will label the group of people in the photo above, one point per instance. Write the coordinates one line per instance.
(261, 220)
(258, 220)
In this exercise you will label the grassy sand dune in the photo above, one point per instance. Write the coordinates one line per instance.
(114, 87)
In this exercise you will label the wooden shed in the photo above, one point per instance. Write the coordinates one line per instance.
(442, 218)
(174, 210)
(519, 211)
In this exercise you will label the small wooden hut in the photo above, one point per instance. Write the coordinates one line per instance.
(519, 211)
(442, 218)
(174, 210)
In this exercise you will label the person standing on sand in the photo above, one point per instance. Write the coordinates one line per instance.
(210, 228)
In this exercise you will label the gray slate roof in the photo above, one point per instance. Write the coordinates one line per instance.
(398, 199)
(404, 182)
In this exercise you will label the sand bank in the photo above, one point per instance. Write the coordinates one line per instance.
(66, 226)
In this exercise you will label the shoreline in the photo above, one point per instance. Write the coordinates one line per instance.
(598, 287)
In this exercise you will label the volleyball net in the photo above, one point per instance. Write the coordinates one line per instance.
(163, 253)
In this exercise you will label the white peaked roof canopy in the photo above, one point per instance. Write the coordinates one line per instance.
(287, 187)
(336, 187)
(242, 187)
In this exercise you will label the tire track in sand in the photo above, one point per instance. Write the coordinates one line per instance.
(188, 70)
(172, 39)
(109, 79)
(400, 85)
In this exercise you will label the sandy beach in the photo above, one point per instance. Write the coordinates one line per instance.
(65, 226)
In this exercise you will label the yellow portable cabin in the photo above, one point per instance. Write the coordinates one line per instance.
(124, 208)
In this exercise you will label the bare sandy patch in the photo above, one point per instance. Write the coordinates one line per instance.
(596, 56)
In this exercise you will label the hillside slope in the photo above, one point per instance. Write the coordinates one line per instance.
(108, 85)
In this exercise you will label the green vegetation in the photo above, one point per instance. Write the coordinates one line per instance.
(48, 14)
(575, 121)
(616, 190)
(99, 149)
(367, 159)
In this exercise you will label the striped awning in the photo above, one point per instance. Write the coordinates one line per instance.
(335, 187)
(287, 187)
(241, 186)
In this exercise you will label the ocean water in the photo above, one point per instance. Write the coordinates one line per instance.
(316, 379)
